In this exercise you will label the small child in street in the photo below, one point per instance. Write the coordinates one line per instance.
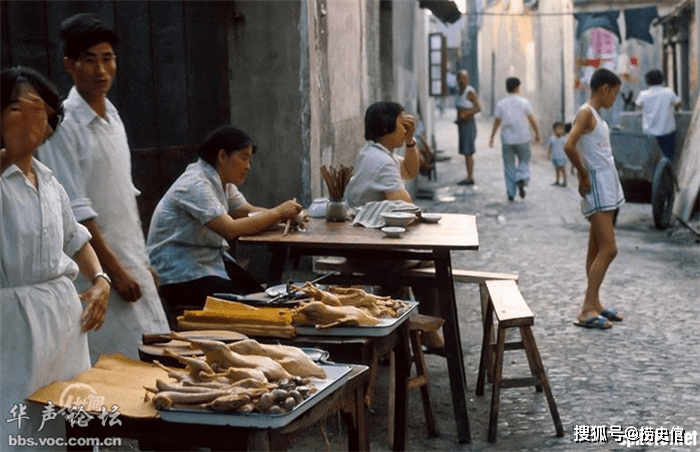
(588, 148)
(556, 152)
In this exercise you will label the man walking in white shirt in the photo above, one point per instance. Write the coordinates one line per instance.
(658, 104)
(514, 113)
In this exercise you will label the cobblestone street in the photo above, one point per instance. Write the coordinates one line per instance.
(645, 372)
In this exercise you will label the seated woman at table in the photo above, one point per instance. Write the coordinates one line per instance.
(379, 175)
(43, 323)
(200, 212)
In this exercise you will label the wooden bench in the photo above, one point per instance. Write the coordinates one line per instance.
(505, 305)
(417, 325)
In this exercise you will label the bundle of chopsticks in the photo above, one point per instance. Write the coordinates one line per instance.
(336, 180)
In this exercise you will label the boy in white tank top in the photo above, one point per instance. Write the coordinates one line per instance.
(588, 149)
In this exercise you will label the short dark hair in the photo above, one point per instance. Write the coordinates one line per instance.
(84, 30)
(12, 79)
(380, 119)
(512, 83)
(654, 77)
(604, 77)
(557, 124)
(226, 137)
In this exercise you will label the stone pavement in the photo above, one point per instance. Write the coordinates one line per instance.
(645, 372)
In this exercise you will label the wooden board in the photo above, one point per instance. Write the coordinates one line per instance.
(509, 306)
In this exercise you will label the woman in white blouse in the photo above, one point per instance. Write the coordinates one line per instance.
(43, 249)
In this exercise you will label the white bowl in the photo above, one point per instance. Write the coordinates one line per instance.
(393, 231)
(431, 217)
(401, 219)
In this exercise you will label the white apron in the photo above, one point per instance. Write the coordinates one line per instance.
(113, 196)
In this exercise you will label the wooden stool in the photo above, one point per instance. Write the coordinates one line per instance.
(417, 325)
(506, 303)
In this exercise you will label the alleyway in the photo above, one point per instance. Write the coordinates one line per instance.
(645, 372)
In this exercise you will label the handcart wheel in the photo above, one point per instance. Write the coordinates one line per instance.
(662, 193)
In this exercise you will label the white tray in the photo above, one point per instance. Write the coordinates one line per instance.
(336, 376)
(383, 328)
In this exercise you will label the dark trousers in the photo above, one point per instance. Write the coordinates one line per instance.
(667, 143)
(192, 295)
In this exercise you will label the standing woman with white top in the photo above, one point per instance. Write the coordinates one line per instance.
(467, 106)
(44, 325)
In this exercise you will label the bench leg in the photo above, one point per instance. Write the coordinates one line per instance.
(530, 358)
(485, 361)
(534, 357)
(483, 291)
(496, 389)
(422, 371)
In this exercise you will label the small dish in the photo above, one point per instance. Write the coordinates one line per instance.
(401, 219)
(393, 231)
(431, 217)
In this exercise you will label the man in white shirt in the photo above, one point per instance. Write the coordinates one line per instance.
(90, 156)
(514, 113)
(658, 104)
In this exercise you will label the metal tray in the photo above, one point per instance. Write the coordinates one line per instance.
(336, 375)
(383, 328)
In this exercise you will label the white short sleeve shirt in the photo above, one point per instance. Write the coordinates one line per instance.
(377, 172)
(658, 105)
(513, 111)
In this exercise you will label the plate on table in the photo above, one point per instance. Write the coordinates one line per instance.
(336, 376)
(431, 217)
(383, 328)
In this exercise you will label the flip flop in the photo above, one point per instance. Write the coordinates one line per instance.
(595, 322)
(611, 314)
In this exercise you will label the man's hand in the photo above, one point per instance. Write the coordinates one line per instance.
(126, 285)
(95, 299)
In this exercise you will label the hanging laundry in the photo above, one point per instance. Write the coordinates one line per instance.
(637, 22)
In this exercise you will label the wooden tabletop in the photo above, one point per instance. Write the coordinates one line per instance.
(453, 232)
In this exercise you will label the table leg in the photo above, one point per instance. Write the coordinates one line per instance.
(453, 342)
(399, 421)
(278, 263)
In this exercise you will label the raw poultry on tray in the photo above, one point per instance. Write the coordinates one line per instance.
(324, 308)
(244, 376)
(348, 306)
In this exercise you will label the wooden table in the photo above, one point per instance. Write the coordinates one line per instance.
(421, 241)
(156, 434)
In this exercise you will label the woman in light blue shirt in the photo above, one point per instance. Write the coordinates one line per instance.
(200, 212)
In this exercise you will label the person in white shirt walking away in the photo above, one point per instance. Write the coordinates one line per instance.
(658, 103)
